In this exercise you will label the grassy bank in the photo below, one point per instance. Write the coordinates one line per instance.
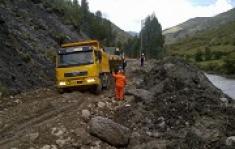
(212, 50)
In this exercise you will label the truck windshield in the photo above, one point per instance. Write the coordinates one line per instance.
(76, 59)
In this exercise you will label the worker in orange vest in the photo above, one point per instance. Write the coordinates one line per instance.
(120, 82)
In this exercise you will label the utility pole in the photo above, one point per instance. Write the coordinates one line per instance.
(141, 38)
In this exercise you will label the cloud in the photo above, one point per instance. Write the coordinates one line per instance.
(127, 14)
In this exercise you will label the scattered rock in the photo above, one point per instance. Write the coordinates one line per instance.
(86, 114)
(168, 66)
(230, 141)
(141, 95)
(101, 104)
(33, 136)
(18, 101)
(1, 124)
(66, 96)
(53, 147)
(156, 144)
(58, 131)
(46, 147)
(153, 134)
(62, 142)
(109, 131)
(207, 129)
(49, 147)
(225, 101)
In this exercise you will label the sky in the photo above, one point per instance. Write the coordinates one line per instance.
(127, 14)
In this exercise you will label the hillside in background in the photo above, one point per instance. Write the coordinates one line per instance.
(30, 33)
(133, 34)
(121, 36)
(212, 50)
(195, 25)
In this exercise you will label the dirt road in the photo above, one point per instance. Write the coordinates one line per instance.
(172, 105)
(45, 119)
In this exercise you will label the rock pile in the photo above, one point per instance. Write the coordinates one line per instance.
(181, 108)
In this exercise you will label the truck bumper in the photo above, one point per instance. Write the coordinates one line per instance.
(91, 81)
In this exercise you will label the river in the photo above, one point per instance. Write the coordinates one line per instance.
(225, 84)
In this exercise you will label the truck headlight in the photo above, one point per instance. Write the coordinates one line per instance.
(62, 83)
(90, 80)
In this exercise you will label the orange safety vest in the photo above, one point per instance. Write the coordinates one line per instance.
(120, 79)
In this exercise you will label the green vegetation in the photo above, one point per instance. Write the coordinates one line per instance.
(229, 63)
(133, 47)
(152, 40)
(51, 54)
(212, 50)
(94, 25)
(25, 57)
(3, 90)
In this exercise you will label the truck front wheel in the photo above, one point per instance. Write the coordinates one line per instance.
(98, 89)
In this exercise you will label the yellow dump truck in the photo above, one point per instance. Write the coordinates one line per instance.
(82, 64)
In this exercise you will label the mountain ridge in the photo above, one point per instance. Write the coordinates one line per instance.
(194, 25)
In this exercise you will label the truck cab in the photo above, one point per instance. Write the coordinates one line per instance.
(82, 64)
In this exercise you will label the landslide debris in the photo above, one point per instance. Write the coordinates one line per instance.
(185, 111)
(109, 131)
(29, 35)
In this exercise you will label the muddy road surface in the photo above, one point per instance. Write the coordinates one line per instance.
(168, 104)
(44, 119)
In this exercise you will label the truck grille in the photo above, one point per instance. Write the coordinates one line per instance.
(76, 74)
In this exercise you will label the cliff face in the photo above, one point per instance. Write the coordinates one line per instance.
(29, 35)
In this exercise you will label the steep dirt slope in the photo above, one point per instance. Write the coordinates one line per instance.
(29, 36)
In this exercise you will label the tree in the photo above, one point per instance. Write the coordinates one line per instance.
(132, 47)
(98, 14)
(152, 38)
(229, 63)
(198, 56)
(75, 3)
(84, 9)
(93, 25)
(208, 54)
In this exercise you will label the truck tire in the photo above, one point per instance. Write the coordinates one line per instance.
(61, 90)
(98, 89)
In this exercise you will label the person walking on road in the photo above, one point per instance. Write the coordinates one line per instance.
(124, 64)
(142, 59)
(120, 82)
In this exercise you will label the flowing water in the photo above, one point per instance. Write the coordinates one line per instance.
(225, 84)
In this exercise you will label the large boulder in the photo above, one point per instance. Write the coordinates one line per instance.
(109, 131)
(230, 141)
(140, 95)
